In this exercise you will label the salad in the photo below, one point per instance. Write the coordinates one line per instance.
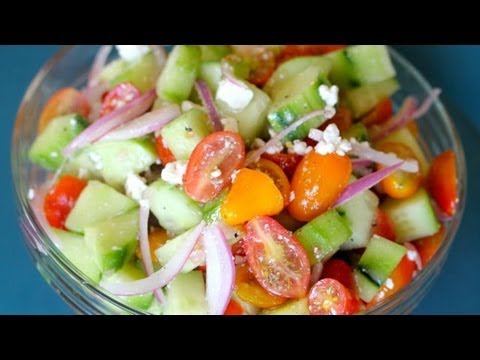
(228, 179)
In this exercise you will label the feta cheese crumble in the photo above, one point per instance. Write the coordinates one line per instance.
(230, 124)
(329, 141)
(174, 171)
(132, 53)
(135, 186)
(329, 94)
(235, 96)
(96, 160)
(299, 148)
(216, 173)
(389, 284)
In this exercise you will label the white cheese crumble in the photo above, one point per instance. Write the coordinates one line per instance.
(132, 53)
(216, 173)
(96, 160)
(135, 186)
(174, 171)
(299, 148)
(236, 97)
(411, 255)
(329, 94)
(230, 124)
(31, 194)
(329, 141)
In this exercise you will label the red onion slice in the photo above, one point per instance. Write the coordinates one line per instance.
(365, 152)
(111, 121)
(144, 213)
(98, 64)
(220, 270)
(408, 112)
(357, 163)
(255, 155)
(163, 276)
(208, 102)
(145, 124)
(94, 97)
(366, 183)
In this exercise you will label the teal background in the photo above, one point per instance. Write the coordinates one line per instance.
(455, 69)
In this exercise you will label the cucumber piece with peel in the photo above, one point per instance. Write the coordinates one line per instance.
(412, 218)
(46, 150)
(186, 295)
(97, 202)
(323, 236)
(114, 241)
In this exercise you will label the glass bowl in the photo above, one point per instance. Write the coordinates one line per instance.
(70, 66)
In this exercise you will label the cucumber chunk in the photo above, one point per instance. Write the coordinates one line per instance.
(46, 150)
(323, 236)
(174, 210)
(167, 251)
(178, 77)
(112, 161)
(289, 69)
(114, 241)
(360, 65)
(97, 202)
(75, 249)
(184, 133)
(379, 260)
(142, 73)
(186, 295)
(214, 52)
(129, 273)
(252, 119)
(297, 97)
(359, 213)
(211, 73)
(363, 99)
(412, 218)
(366, 288)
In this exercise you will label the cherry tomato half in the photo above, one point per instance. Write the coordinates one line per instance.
(383, 226)
(276, 173)
(442, 182)
(330, 297)
(276, 258)
(61, 199)
(224, 151)
(288, 162)
(163, 152)
(339, 270)
(119, 96)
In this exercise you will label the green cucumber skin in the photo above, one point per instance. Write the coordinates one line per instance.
(323, 236)
(46, 150)
(211, 73)
(366, 288)
(186, 295)
(358, 132)
(214, 52)
(178, 77)
(380, 259)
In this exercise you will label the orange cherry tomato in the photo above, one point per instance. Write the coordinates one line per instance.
(224, 151)
(442, 182)
(63, 102)
(383, 226)
(382, 112)
(119, 96)
(276, 259)
(60, 200)
(343, 119)
(339, 270)
(276, 173)
(249, 290)
(330, 297)
(288, 162)
(156, 239)
(428, 247)
(400, 184)
(253, 194)
(233, 308)
(318, 181)
(261, 60)
(163, 152)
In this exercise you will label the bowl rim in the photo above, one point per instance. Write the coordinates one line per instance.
(24, 207)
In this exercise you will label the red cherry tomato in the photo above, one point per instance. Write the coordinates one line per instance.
(223, 150)
(163, 152)
(276, 258)
(61, 199)
(117, 97)
(442, 182)
(339, 270)
(288, 162)
(330, 297)
(233, 308)
(383, 226)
